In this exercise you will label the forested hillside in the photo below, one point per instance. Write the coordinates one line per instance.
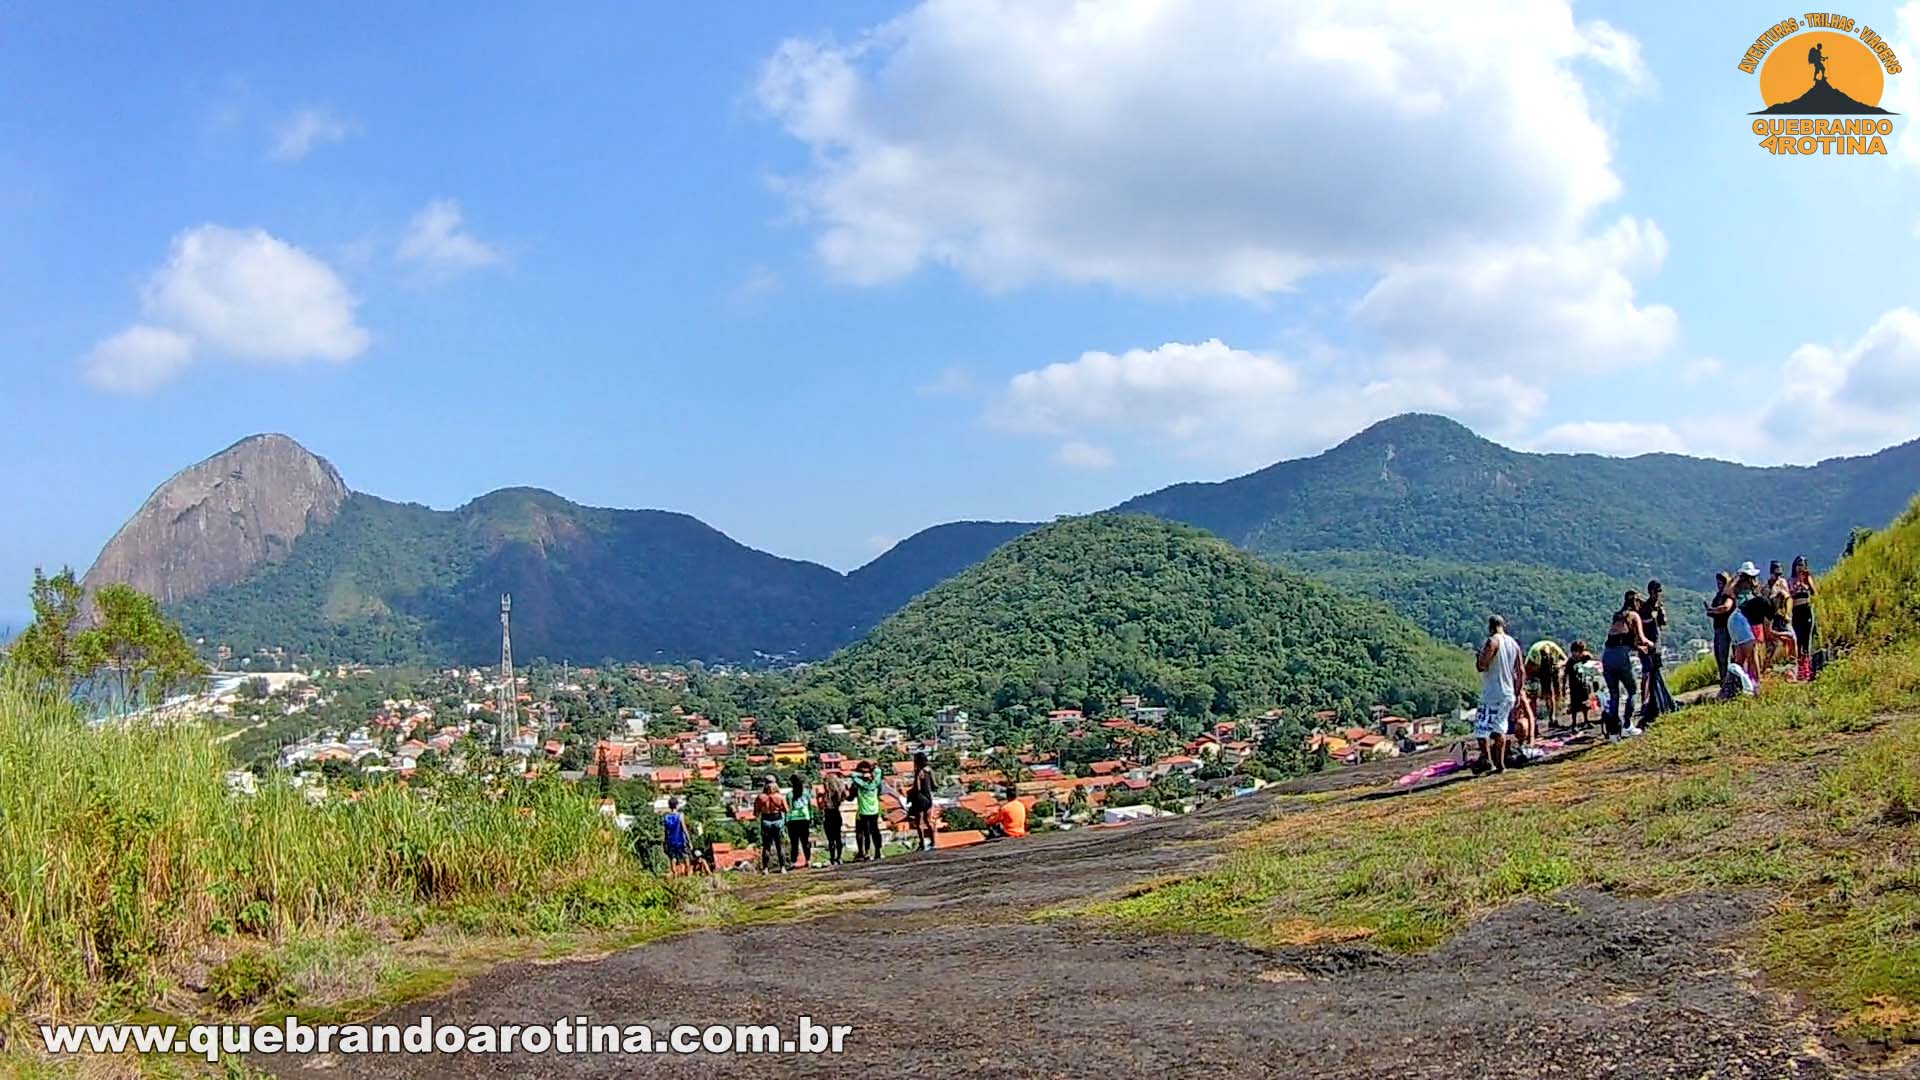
(1428, 487)
(1080, 612)
(1451, 600)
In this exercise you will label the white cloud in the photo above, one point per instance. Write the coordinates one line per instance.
(1241, 408)
(138, 359)
(1621, 438)
(241, 293)
(1851, 399)
(298, 134)
(1189, 145)
(1075, 454)
(1547, 309)
(435, 242)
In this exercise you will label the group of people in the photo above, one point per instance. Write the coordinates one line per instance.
(786, 818)
(1756, 626)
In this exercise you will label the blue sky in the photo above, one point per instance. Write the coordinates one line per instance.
(825, 275)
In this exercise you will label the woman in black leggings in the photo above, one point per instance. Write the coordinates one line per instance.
(1624, 637)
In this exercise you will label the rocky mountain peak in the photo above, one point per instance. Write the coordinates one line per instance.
(212, 523)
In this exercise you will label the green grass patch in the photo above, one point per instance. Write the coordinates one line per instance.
(1810, 791)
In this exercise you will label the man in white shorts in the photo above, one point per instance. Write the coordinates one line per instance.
(1501, 676)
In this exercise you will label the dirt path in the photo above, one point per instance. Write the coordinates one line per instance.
(943, 976)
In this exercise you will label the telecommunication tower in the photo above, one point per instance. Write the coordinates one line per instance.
(508, 716)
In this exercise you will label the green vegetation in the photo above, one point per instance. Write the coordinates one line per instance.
(126, 648)
(1428, 487)
(1081, 612)
(124, 860)
(1811, 791)
(1873, 597)
(393, 583)
(1451, 600)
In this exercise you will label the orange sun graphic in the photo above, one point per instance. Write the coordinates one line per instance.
(1851, 68)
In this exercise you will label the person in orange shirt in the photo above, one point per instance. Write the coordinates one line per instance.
(1009, 821)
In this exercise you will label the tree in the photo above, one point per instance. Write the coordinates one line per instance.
(45, 651)
(137, 647)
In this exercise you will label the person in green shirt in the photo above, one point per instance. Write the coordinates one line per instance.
(799, 821)
(867, 787)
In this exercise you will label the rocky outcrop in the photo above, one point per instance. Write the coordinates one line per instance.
(214, 522)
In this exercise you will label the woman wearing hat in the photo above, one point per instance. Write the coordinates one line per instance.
(1749, 626)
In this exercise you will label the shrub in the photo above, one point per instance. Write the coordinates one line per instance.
(246, 979)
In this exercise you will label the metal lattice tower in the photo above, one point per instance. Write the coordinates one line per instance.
(508, 717)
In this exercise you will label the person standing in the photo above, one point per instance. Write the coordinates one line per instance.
(1720, 609)
(673, 830)
(832, 793)
(771, 810)
(1780, 637)
(1584, 676)
(1749, 626)
(1655, 699)
(920, 802)
(867, 786)
(1800, 587)
(799, 820)
(1624, 638)
(1501, 676)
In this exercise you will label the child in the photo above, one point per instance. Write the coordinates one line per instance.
(1584, 676)
(679, 852)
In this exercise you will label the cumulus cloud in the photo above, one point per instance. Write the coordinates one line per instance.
(241, 293)
(1185, 145)
(1075, 454)
(138, 359)
(1621, 438)
(1501, 305)
(1853, 398)
(436, 242)
(1211, 401)
(306, 128)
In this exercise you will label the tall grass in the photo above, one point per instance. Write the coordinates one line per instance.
(1871, 598)
(123, 856)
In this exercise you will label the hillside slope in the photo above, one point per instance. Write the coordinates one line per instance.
(1451, 600)
(392, 582)
(1080, 612)
(1427, 486)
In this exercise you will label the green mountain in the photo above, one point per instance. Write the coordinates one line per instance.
(1426, 486)
(393, 582)
(263, 544)
(1451, 600)
(1081, 612)
(925, 559)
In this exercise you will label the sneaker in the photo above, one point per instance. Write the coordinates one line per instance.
(1632, 731)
